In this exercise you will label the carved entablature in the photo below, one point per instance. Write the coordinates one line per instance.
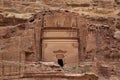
(60, 33)
(60, 19)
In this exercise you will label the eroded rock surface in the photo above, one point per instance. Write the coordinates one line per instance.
(117, 35)
(100, 46)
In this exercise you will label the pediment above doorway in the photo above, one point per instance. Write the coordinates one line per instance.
(60, 51)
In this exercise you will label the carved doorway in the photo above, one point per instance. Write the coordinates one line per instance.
(60, 62)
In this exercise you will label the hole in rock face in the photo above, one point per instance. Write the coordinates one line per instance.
(28, 56)
(31, 19)
(60, 62)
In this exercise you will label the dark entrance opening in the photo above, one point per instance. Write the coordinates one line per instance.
(60, 62)
(28, 56)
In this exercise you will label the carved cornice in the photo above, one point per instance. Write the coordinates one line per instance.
(60, 28)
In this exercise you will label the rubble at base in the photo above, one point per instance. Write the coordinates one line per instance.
(50, 70)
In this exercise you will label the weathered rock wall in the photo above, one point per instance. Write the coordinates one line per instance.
(17, 41)
(22, 42)
(24, 9)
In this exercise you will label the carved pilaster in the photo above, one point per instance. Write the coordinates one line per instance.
(82, 25)
(37, 39)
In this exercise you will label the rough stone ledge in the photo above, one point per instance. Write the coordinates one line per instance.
(87, 75)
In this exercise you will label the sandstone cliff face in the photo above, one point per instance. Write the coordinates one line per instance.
(16, 38)
(14, 12)
(101, 45)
